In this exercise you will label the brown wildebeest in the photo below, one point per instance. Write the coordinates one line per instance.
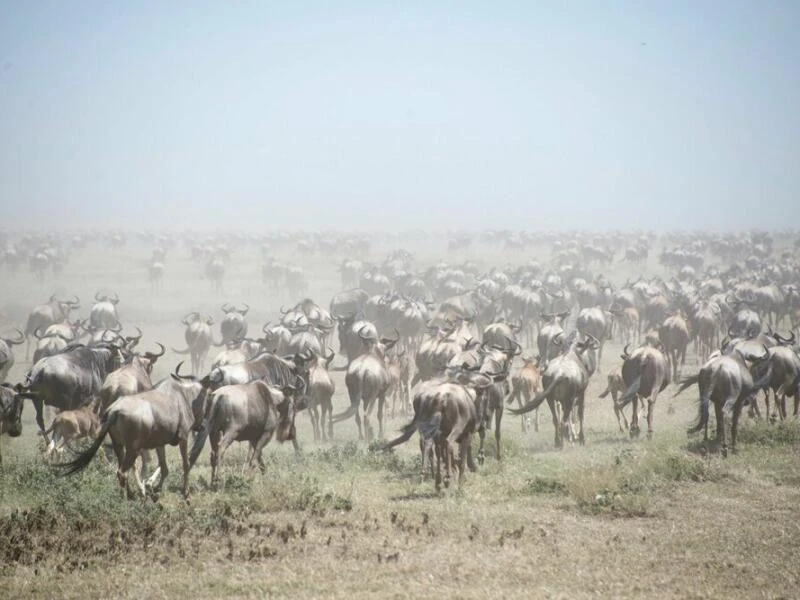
(616, 387)
(129, 379)
(250, 412)
(445, 416)
(148, 421)
(524, 385)
(71, 425)
(320, 393)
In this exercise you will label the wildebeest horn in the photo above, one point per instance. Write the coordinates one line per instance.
(178, 372)
(210, 321)
(625, 354)
(396, 337)
(265, 328)
(98, 297)
(557, 339)
(37, 333)
(19, 340)
(226, 308)
(282, 311)
(363, 327)
(75, 302)
(330, 357)
(185, 320)
(244, 311)
(153, 355)
(517, 344)
(115, 299)
(730, 332)
(778, 337)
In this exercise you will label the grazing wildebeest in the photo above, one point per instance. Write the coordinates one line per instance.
(726, 381)
(565, 379)
(6, 355)
(41, 317)
(645, 373)
(524, 385)
(615, 387)
(198, 340)
(149, 421)
(367, 382)
(71, 379)
(11, 404)
(250, 412)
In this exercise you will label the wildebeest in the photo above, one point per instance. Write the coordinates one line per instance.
(616, 387)
(41, 317)
(129, 379)
(645, 373)
(250, 412)
(524, 385)
(148, 421)
(104, 312)
(367, 382)
(674, 336)
(6, 355)
(595, 321)
(233, 326)
(726, 382)
(71, 425)
(565, 379)
(549, 333)
(70, 379)
(399, 368)
(445, 416)
(11, 404)
(320, 396)
(198, 340)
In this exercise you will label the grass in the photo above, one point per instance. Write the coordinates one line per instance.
(615, 518)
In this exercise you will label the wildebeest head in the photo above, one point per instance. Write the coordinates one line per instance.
(11, 404)
(151, 358)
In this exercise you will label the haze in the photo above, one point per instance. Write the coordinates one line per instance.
(514, 115)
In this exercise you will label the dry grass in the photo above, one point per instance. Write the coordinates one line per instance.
(615, 518)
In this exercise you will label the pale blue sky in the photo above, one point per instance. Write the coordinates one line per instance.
(504, 114)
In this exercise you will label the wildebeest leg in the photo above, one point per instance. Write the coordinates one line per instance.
(313, 412)
(463, 450)
(581, 438)
(720, 439)
(635, 416)
(381, 403)
(38, 404)
(358, 421)
(328, 406)
(498, 417)
(127, 461)
(258, 448)
(737, 411)
(651, 402)
(559, 443)
(438, 477)
(162, 466)
(449, 451)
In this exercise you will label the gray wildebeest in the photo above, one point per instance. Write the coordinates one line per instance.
(198, 340)
(6, 355)
(367, 382)
(251, 412)
(11, 404)
(674, 336)
(148, 421)
(525, 383)
(41, 317)
(565, 379)
(104, 312)
(616, 387)
(549, 333)
(129, 379)
(71, 379)
(726, 382)
(645, 373)
(233, 326)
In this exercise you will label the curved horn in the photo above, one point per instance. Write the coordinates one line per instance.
(282, 311)
(19, 340)
(178, 372)
(75, 302)
(210, 321)
(115, 299)
(778, 338)
(226, 308)
(98, 297)
(185, 320)
(557, 339)
(363, 327)
(153, 355)
(245, 310)
(265, 328)
(37, 334)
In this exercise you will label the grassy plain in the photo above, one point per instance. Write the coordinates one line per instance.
(614, 519)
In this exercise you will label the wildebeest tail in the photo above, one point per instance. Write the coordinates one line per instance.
(197, 446)
(606, 392)
(702, 418)
(687, 382)
(187, 351)
(536, 401)
(630, 393)
(84, 458)
(407, 431)
(351, 411)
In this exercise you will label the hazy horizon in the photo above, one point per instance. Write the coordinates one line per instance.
(265, 116)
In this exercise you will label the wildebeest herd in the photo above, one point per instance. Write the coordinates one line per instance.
(444, 341)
